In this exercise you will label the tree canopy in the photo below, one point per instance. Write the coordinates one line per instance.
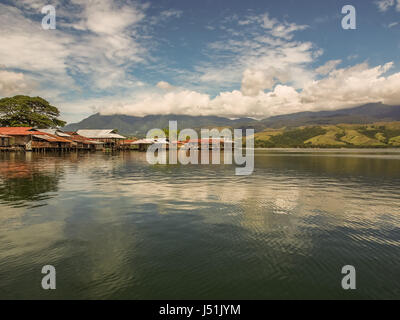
(25, 111)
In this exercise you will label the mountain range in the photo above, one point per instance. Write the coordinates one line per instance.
(138, 126)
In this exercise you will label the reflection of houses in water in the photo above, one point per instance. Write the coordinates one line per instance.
(27, 178)
(18, 169)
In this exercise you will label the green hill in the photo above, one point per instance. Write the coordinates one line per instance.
(376, 135)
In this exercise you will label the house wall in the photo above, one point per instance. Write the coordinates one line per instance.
(5, 142)
(38, 144)
(21, 140)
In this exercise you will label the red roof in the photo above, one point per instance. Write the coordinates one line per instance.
(77, 138)
(51, 137)
(18, 131)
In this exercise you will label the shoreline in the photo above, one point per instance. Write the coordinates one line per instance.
(336, 150)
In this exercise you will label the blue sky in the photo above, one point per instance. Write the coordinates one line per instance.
(231, 58)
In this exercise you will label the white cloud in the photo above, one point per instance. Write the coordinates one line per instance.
(107, 42)
(328, 67)
(346, 87)
(384, 5)
(172, 13)
(25, 45)
(353, 86)
(178, 102)
(106, 17)
(261, 54)
(255, 81)
(12, 83)
(274, 27)
(165, 85)
(94, 49)
(352, 57)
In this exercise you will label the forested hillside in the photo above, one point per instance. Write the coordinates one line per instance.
(376, 135)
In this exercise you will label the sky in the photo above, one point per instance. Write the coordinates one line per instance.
(232, 58)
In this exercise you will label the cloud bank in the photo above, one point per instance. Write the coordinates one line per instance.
(341, 88)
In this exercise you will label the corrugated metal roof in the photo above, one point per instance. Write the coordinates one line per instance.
(50, 137)
(18, 131)
(77, 138)
(150, 141)
(143, 141)
(51, 131)
(100, 134)
(56, 132)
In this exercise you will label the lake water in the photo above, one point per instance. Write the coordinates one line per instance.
(116, 227)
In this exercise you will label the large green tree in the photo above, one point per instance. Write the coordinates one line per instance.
(29, 112)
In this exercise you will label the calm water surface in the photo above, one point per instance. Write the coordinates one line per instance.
(116, 227)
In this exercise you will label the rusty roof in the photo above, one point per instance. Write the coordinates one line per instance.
(19, 131)
(56, 132)
(77, 138)
(50, 137)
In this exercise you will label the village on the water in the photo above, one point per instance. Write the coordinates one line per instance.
(42, 140)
